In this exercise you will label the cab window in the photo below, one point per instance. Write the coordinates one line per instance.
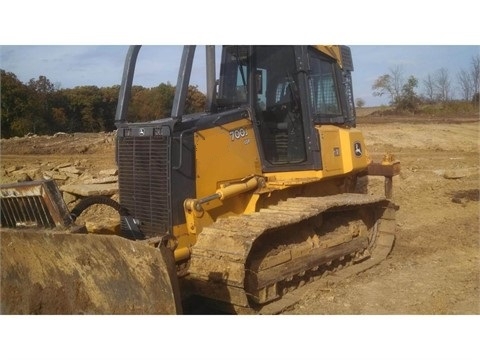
(324, 97)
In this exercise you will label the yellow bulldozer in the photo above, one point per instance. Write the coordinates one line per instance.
(241, 205)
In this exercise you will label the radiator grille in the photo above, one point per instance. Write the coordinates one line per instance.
(144, 181)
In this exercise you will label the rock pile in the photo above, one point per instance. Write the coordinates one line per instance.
(73, 180)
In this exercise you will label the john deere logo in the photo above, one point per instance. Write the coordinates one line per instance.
(357, 148)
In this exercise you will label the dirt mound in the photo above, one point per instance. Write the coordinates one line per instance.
(60, 143)
(69, 159)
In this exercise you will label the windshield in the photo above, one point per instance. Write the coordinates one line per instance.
(278, 108)
(270, 73)
(234, 74)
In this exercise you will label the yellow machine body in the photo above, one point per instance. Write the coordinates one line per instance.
(241, 204)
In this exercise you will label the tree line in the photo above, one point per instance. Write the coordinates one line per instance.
(436, 87)
(40, 107)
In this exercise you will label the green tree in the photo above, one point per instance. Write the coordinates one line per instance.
(40, 107)
(136, 105)
(16, 106)
(383, 85)
(196, 100)
(389, 84)
(476, 99)
(59, 117)
(90, 109)
(402, 93)
(151, 103)
(42, 93)
(157, 102)
(42, 85)
(108, 106)
(161, 98)
(408, 100)
(360, 102)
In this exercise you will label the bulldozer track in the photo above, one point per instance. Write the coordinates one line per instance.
(225, 268)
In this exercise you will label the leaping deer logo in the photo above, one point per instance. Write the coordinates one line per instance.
(357, 149)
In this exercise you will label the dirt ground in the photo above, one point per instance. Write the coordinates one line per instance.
(434, 267)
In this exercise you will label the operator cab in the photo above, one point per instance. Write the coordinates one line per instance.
(290, 90)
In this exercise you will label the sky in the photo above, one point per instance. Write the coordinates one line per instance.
(68, 66)
(87, 45)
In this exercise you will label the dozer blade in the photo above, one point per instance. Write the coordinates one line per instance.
(48, 272)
